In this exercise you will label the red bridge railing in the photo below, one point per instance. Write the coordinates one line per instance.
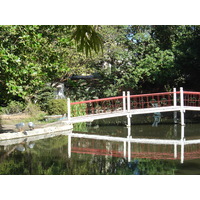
(128, 102)
(105, 105)
(151, 100)
(191, 98)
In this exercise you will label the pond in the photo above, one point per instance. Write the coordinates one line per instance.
(107, 147)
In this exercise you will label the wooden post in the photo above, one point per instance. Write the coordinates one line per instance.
(69, 146)
(128, 101)
(175, 104)
(182, 143)
(174, 97)
(181, 97)
(128, 120)
(124, 101)
(182, 132)
(129, 149)
(68, 109)
(128, 109)
(129, 131)
(182, 150)
(182, 106)
(175, 150)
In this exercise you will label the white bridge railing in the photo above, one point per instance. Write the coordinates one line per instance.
(128, 103)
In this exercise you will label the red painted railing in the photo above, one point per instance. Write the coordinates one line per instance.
(151, 100)
(108, 105)
(105, 105)
(191, 98)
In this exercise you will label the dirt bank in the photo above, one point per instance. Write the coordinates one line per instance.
(8, 122)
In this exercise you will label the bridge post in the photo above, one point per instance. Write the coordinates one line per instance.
(124, 101)
(128, 109)
(129, 131)
(182, 132)
(129, 148)
(175, 104)
(68, 109)
(128, 120)
(69, 146)
(175, 150)
(182, 143)
(128, 101)
(182, 106)
(182, 150)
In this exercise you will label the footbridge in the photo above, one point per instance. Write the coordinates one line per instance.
(129, 105)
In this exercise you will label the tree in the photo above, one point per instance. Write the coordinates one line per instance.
(137, 61)
(31, 56)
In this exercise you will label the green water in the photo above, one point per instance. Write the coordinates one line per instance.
(100, 157)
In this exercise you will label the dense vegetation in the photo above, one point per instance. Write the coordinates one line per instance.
(136, 58)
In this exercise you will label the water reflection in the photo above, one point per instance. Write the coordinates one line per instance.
(131, 148)
(92, 153)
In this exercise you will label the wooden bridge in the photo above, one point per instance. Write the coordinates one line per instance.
(128, 105)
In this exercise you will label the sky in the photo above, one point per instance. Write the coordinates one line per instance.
(104, 12)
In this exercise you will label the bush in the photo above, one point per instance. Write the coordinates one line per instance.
(32, 109)
(44, 95)
(78, 110)
(13, 107)
(57, 107)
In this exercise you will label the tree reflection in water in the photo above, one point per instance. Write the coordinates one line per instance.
(50, 157)
(96, 157)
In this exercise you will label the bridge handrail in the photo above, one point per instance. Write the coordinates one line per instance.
(190, 92)
(121, 97)
(153, 94)
(97, 100)
(137, 95)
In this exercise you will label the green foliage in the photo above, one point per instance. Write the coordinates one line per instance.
(88, 38)
(156, 167)
(78, 110)
(57, 107)
(137, 58)
(13, 107)
(32, 108)
(80, 127)
(31, 56)
(86, 89)
(43, 95)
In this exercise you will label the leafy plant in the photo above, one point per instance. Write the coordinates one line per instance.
(13, 107)
(57, 107)
(32, 108)
(43, 96)
(78, 110)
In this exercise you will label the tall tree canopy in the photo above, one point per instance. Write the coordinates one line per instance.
(31, 56)
(138, 58)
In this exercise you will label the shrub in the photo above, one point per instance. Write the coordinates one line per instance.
(13, 107)
(32, 109)
(44, 95)
(57, 107)
(78, 110)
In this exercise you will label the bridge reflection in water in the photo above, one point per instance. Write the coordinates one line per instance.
(127, 147)
(131, 148)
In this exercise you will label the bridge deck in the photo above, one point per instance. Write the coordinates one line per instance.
(92, 117)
